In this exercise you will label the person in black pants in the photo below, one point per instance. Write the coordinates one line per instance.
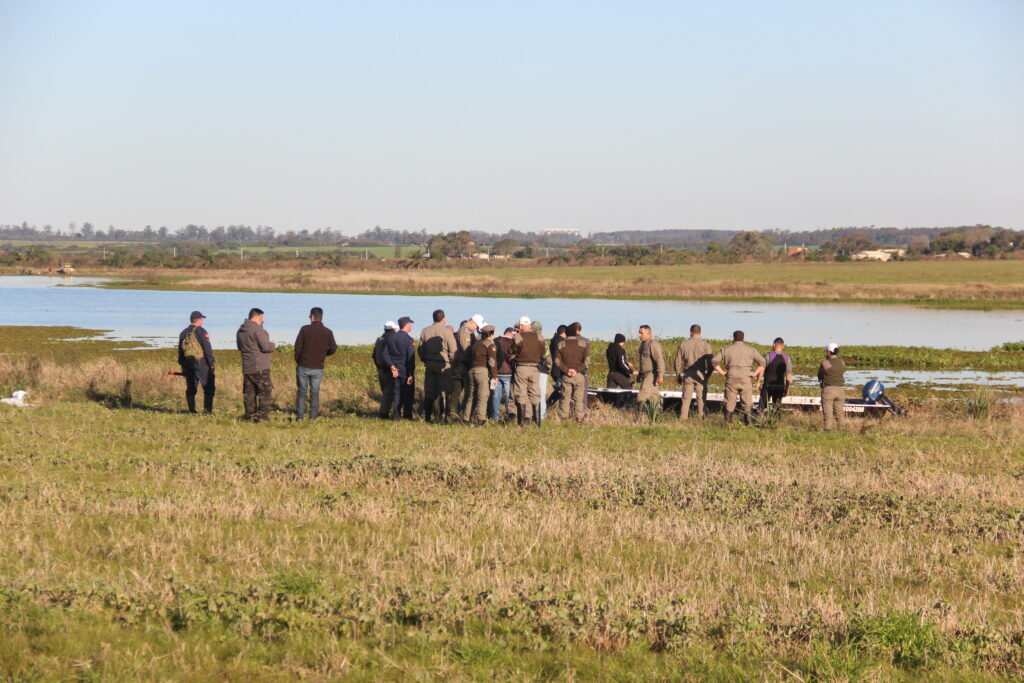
(778, 375)
(400, 355)
(620, 370)
(197, 369)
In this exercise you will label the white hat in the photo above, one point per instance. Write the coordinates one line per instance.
(524, 320)
(832, 347)
(479, 320)
(390, 325)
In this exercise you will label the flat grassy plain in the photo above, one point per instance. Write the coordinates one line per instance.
(145, 543)
(943, 284)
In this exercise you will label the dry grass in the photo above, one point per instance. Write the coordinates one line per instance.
(142, 543)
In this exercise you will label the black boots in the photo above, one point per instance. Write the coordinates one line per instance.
(520, 411)
(428, 410)
(536, 414)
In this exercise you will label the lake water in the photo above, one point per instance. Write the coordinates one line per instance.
(156, 317)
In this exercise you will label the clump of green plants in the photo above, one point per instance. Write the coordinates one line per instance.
(980, 404)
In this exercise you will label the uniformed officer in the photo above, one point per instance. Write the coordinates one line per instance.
(651, 366)
(830, 375)
(734, 362)
(692, 365)
(400, 355)
(464, 339)
(483, 373)
(528, 351)
(572, 358)
(195, 356)
(437, 350)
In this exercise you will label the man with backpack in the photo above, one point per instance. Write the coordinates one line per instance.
(778, 375)
(195, 356)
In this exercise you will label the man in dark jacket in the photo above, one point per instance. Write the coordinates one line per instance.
(400, 355)
(256, 348)
(387, 387)
(314, 343)
(556, 373)
(198, 369)
(503, 391)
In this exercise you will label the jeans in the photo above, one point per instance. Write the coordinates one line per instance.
(543, 395)
(307, 379)
(501, 395)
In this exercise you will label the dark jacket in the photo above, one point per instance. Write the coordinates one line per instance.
(314, 343)
(254, 343)
(616, 357)
(483, 354)
(378, 349)
(528, 348)
(556, 372)
(831, 372)
(504, 360)
(201, 367)
(400, 352)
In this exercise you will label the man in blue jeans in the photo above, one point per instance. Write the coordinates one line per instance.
(502, 393)
(314, 343)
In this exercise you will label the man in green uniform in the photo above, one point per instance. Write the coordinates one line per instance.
(483, 373)
(691, 364)
(464, 338)
(528, 351)
(572, 358)
(830, 375)
(437, 350)
(651, 366)
(734, 362)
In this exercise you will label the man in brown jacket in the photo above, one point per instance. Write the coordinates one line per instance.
(528, 350)
(483, 373)
(572, 358)
(651, 366)
(733, 362)
(256, 348)
(437, 351)
(831, 376)
(691, 363)
(312, 346)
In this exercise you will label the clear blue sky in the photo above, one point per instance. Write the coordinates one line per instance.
(487, 115)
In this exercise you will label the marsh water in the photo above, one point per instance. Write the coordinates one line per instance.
(155, 318)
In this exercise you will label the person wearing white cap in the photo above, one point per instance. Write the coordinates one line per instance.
(528, 351)
(831, 376)
(383, 371)
(464, 339)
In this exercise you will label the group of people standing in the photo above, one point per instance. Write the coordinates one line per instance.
(472, 375)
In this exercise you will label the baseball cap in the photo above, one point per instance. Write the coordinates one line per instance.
(832, 347)
(195, 315)
(390, 325)
(478, 319)
(524, 320)
(404, 320)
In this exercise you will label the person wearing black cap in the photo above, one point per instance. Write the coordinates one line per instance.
(195, 356)
(400, 355)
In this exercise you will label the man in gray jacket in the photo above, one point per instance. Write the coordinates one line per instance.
(255, 345)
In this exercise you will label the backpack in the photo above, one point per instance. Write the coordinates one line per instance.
(192, 348)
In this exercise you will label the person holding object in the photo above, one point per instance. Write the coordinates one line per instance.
(691, 364)
(256, 348)
(831, 376)
(734, 362)
(312, 346)
(400, 356)
(195, 356)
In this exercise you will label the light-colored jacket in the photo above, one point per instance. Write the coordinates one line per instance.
(736, 359)
(254, 343)
(652, 358)
(437, 346)
(690, 351)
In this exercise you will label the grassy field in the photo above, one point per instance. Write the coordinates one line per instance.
(945, 284)
(144, 543)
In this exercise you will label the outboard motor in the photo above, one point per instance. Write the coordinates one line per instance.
(874, 392)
